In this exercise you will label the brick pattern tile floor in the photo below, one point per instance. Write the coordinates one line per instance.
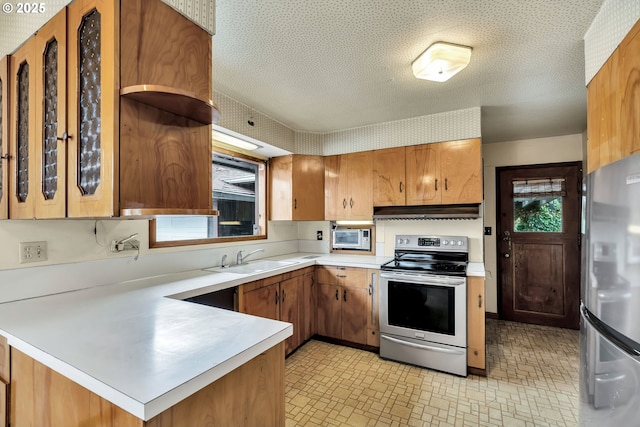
(532, 380)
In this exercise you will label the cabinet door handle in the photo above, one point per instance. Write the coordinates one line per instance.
(350, 202)
(337, 297)
(341, 276)
(436, 184)
(6, 157)
(344, 203)
(479, 301)
(446, 184)
(401, 186)
(295, 203)
(341, 268)
(372, 292)
(344, 295)
(284, 295)
(65, 136)
(276, 297)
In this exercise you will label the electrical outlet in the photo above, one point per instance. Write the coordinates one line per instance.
(33, 252)
(319, 235)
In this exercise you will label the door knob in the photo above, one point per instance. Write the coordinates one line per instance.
(507, 255)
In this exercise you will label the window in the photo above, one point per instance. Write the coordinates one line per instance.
(239, 196)
(537, 205)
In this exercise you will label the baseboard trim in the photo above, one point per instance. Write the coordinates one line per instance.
(477, 371)
(488, 315)
(347, 344)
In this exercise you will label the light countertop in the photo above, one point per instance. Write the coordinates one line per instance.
(138, 345)
(142, 351)
(475, 269)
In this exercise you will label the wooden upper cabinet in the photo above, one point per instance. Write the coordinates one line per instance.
(297, 188)
(51, 118)
(389, 184)
(461, 171)
(348, 190)
(332, 201)
(4, 138)
(22, 166)
(593, 126)
(38, 72)
(360, 195)
(127, 156)
(629, 89)
(444, 173)
(423, 174)
(605, 144)
(613, 100)
(93, 64)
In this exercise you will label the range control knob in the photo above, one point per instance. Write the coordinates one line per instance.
(460, 243)
(406, 241)
(445, 242)
(399, 241)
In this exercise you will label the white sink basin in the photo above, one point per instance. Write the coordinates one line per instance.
(257, 267)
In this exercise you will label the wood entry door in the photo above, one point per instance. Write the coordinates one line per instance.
(539, 221)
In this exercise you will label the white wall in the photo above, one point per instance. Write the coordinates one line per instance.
(525, 152)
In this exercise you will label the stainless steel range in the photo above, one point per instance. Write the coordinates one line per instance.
(423, 309)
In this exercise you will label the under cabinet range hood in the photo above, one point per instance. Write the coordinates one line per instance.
(470, 211)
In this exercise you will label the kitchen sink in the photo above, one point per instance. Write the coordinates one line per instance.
(257, 267)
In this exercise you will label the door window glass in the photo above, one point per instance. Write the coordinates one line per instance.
(537, 205)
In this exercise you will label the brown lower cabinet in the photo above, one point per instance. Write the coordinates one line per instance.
(4, 394)
(289, 297)
(5, 379)
(476, 325)
(252, 394)
(345, 299)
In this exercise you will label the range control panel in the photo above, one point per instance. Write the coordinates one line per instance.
(438, 243)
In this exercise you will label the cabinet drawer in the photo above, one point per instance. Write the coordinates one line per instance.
(356, 277)
(5, 371)
(346, 276)
(328, 275)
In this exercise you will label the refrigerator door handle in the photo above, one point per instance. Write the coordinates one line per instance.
(624, 343)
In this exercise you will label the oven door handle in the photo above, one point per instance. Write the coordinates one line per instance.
(425, 279)
(421, 346)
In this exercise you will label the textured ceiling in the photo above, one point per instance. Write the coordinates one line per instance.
(334, 64)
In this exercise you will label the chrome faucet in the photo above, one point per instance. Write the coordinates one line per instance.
(222, 264)
(240, 258)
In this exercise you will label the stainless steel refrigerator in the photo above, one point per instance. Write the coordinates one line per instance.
(610, 297)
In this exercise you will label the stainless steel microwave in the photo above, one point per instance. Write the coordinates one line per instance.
(358, 239)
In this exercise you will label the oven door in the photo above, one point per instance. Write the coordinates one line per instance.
(424, 307)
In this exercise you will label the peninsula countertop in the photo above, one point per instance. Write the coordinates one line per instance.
(138, 345)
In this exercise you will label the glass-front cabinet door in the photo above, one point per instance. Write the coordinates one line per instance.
(22, 83)
(51, 122)
(4, 138)
(93, 111)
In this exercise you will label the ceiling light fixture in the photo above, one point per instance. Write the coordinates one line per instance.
(441, 61)
(232, 138)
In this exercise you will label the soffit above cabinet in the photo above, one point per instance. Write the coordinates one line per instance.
(15, 28)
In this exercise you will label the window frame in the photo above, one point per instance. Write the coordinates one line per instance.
(263, 209)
